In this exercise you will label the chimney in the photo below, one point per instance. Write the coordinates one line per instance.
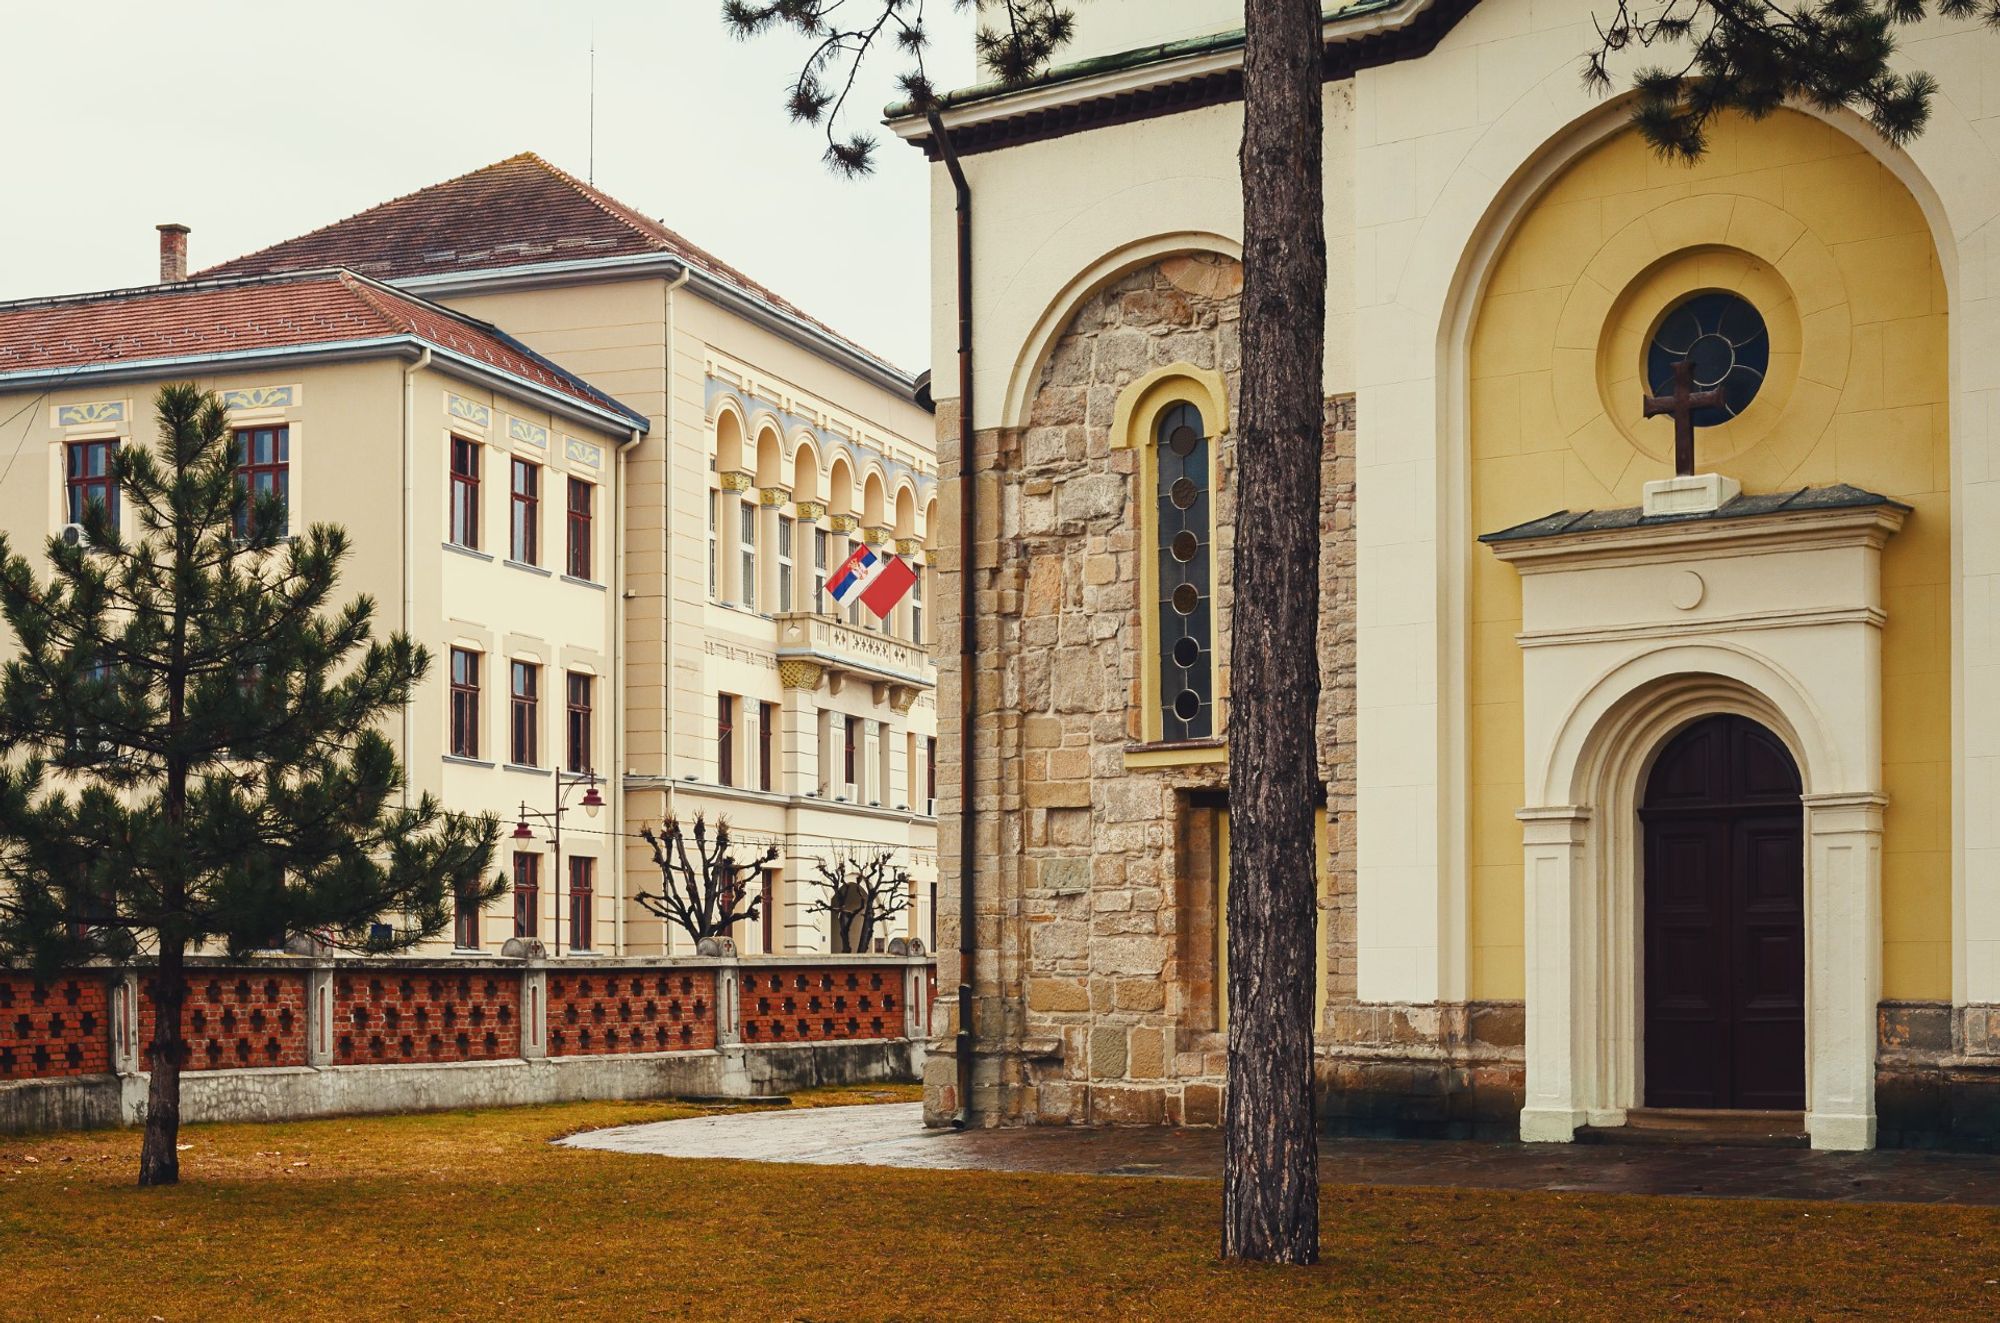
(173, 254)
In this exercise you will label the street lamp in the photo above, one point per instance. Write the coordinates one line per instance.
(590, 804)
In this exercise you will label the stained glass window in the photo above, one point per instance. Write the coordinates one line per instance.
(1724, 338)
(1186, 577)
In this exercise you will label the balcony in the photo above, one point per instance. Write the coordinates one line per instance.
(814, 647)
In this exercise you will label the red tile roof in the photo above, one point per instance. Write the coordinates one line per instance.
(239, 316)
(516, 212)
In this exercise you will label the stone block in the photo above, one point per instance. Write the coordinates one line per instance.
(1127, 1106)
(1142, 994)
(1146, 1054)
(1201, 1104)
(1107, 1053)
(1058, 995)
(1058, 794)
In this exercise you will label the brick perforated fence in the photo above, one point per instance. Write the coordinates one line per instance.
(53, 1027)
(234, 1019)
(821, 1004)
(620, 1011)
(402, 1016)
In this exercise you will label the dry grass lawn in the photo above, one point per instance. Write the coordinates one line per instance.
(474, 1215)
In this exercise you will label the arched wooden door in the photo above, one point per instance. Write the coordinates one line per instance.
(1724, 889)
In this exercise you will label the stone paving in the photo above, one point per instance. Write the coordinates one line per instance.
(892, 1135)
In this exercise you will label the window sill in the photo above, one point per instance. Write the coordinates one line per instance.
(529, 768)
(462, 761)
(523, 565)
(1176, 753)
(473, 552)
(582, 583)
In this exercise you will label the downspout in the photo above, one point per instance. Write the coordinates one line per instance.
(669, 442)
(968, 629)
(616, 778)
(410, 372)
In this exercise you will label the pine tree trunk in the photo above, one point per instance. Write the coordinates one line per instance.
(1270, 1191)
(159, 1155)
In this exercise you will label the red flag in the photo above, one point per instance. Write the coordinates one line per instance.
(888, 586)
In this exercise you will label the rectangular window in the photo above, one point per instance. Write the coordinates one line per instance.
(582, 497)
(465, 492)
(714, 564)
(89, 479)
(766, 910)
(917, 605)
(525, 504)
(784, 602)
(725, 740)
(581, 689)
(820, 599)
(748, 514)
(582, 909)
(263, 469)
(527, 895)
(852, 734)
(465, 920)
(464, 703)
(525, 750)
(910, 772)
(767, 740)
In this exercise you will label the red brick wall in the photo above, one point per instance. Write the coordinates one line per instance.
(51, 1027)
(234, 1018)
(822, 1005)
(631, 1011)
(396, 1017)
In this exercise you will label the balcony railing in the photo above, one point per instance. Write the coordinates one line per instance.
(842, 650)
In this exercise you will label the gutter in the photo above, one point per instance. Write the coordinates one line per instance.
(968, 632)
(667, 590)
(786, 325)
(410, 371)
(618, 526)
(334, 351)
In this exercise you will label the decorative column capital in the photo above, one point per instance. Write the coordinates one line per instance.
(875, 536)
(797, 673)
(909, 546)
(843, 523)
(774, 496)
(812, 510)
(738, 482)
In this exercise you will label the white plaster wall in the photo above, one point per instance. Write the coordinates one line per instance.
(1443, 146)
(1105, 27)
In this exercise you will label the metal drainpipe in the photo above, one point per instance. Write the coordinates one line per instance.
(668, 443)
(968, 629)
(410, 372)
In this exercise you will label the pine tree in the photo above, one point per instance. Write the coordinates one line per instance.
(194, 756)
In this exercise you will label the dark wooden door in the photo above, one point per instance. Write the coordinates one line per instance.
(1725, 942)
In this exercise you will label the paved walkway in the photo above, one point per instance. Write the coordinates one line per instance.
(893, 1135)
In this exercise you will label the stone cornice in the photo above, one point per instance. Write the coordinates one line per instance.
(1648, 544)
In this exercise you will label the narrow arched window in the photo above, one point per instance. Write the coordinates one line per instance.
(1186, 576)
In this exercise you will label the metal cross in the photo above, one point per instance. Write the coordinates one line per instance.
(1681, 406)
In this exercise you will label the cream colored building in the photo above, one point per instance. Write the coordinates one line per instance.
(772, 445)
(406, 424)
(1504, 720)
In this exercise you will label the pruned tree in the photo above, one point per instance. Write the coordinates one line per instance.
(190, 752)
(1753, 56)
(708, 894)
(860, 895)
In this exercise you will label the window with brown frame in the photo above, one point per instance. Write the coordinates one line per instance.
(464, 703)
(853, 737)
(725, 740)
(527, 895)
(89, 479)
(526, 687)
(465, 918)
(930, 772)
(263, 469)
(766, 913)
(582, 915)
(580, 693)
(582, 498)
(767, 734)
(525, 505)
(465, 493)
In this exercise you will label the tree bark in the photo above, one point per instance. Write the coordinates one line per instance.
(1270, 1191)
(159, 1153)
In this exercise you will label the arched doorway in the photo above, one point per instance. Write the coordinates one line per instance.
(1724, 896)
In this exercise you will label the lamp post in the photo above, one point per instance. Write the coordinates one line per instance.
(590, 803)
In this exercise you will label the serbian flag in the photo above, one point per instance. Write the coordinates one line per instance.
(879, 582)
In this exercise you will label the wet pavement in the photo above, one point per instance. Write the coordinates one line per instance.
(893, 1135)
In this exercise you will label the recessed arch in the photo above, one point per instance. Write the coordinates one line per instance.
(906, 509)
(874, 504)
(728, 440)
(840, 484)
(805, 471)
(770, 457)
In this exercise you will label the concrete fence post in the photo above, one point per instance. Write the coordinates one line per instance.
(124, 1026)
(319, 1015)
(914, 1009)
(728, 1004)
(534, 1012)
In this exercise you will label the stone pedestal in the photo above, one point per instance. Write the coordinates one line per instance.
(1695, 493)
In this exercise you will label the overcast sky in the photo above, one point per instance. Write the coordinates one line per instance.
(256, 120)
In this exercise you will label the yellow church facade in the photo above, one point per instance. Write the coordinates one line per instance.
(1650, 792)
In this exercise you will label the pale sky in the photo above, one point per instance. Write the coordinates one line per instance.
(256, 120)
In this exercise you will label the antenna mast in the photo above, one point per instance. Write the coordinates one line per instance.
(591, 170)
